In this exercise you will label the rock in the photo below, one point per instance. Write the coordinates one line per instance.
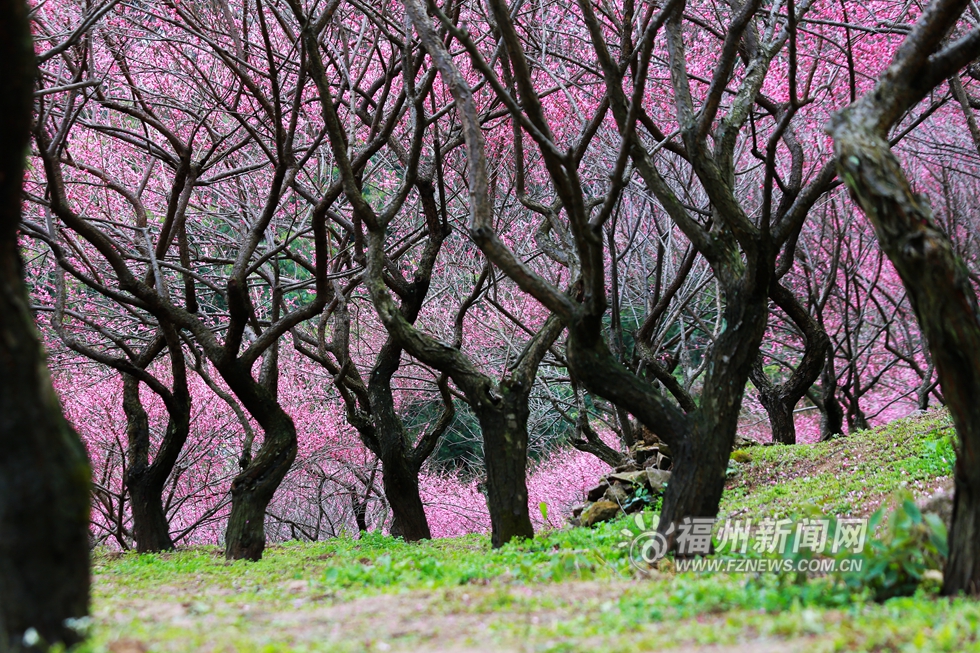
(629, 478)
(647, 455)
(741, 456)
(742, 442)
(600, 511)
(659, 461)
(657, 479)
(622, 491)
(628, 467)
(617, 494)
(598, 491)
(644, 455)
(941, 504)
(646, 436)
(932, 580)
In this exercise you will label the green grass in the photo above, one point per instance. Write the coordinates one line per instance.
(850, 475)
(566, 590)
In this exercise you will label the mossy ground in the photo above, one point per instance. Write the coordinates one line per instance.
(567, 590)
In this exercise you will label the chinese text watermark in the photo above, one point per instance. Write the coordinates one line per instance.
(695, 537)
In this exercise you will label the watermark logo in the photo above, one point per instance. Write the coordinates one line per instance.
(819, 566)
(646, 547)
(696, 535)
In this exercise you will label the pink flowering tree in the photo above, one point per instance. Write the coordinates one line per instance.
(209, 264)
(935, 277)
(742, 237)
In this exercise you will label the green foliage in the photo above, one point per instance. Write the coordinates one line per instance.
(460, 450)
(903, 549)
(642, 498)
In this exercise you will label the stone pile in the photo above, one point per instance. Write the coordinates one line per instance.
(634, 486)
(629, 488)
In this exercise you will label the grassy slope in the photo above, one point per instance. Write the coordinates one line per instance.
(851, 475)
(569, 590)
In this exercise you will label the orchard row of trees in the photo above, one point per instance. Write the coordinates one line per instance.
(600, 221)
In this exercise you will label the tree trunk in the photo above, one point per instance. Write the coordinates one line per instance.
(151, 530)
(697, 477)
(856, 419)
(939, 288)
(254, 487)
(700, 461)
(44, 474)
(145, 480)
(832, 415)
(145, 483)
(44, 477)
(588, 440)
(780, 412)
(150, 527)
(390, 442)
(360, 511)
(504, 427)
(401, 484)
(780, 400)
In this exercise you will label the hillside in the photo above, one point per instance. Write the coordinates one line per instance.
(567, 590)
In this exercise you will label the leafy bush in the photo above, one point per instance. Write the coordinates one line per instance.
(899, 552)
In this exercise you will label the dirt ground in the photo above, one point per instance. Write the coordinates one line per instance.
(469, 619)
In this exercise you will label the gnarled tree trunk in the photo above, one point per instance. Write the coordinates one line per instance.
(780, 400)
(254, 487)
(936, 280)
(504, 426)
(945, 303)
(44, 473)
(399, 464)
(831, 413)
(145, 480)
(700, 460)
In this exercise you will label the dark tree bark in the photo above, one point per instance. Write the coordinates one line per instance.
(778, 406)
(588, 440)
(780, 400)
(360, 512)
(254, 487)
(935, 278)
(150, 527)
(504, 427)
(831, 413)
(145, 480)
(44, 473)
(401, 459)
